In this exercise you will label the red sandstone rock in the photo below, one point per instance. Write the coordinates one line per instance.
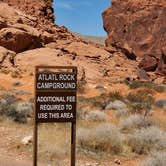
(2, 23)
(148, 63)
(42, 9)
(140, 24)
(18, 40)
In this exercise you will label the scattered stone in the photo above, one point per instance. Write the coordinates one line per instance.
(130, 79)
(27, 140)
(17, 83)
(101, 88)
(116, 161)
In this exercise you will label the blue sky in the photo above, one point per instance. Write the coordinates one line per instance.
(82, 16)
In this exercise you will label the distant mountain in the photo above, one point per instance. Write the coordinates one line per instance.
(95, 39)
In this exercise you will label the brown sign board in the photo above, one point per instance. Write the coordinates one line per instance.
(55, 100)
(56, 96)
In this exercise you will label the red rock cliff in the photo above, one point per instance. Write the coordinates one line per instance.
(138, 28)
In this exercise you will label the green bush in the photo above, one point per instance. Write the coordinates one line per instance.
(115, 96)
(139, 100)
(149, 85)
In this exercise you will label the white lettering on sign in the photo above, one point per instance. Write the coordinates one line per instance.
(68, 107)
(51, 99)
(47, 77)
(66, 77)
(66, 115)
(56, 77)
(42, 116)
(49, 85)
(71, 99)
(47, 107)
(54, 115)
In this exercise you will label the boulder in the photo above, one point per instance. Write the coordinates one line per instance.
(18, 40)
(148, 63)
(139, 25)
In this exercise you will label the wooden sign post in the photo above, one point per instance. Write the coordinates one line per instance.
(55, 101)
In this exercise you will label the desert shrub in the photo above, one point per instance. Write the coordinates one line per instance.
(99, 102)
(121, 113)
(115, 96)
(140, 96)
(139, 100)
(135, 122)
(82, 113)
(19, 111)
(148, 139)
(116, 105)
(161, 103)
(156, 159)
(159, 88)
(103, 138)
(96, 116)
(9, 97)
(149, 85)
(138, 84)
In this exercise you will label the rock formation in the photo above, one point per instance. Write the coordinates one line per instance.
(138, 29)
(41, 9)
(29, 37)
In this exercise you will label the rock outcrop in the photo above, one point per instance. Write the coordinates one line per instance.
(29, 37)
(138, 28)
(41, 9)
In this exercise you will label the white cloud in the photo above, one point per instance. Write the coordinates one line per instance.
(64, 5)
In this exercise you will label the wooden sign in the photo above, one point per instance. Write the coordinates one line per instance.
(55, 100)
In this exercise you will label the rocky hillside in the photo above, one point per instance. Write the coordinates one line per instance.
(28, 37)
(137, 28)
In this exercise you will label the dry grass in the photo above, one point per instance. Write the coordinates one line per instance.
(102, 138)
(135, 122)
(146, 140)
(54, 141)
(156, 159)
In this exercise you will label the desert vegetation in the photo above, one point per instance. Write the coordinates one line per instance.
(129, 131)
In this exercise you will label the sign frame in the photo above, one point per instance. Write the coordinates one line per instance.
(73, 122)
